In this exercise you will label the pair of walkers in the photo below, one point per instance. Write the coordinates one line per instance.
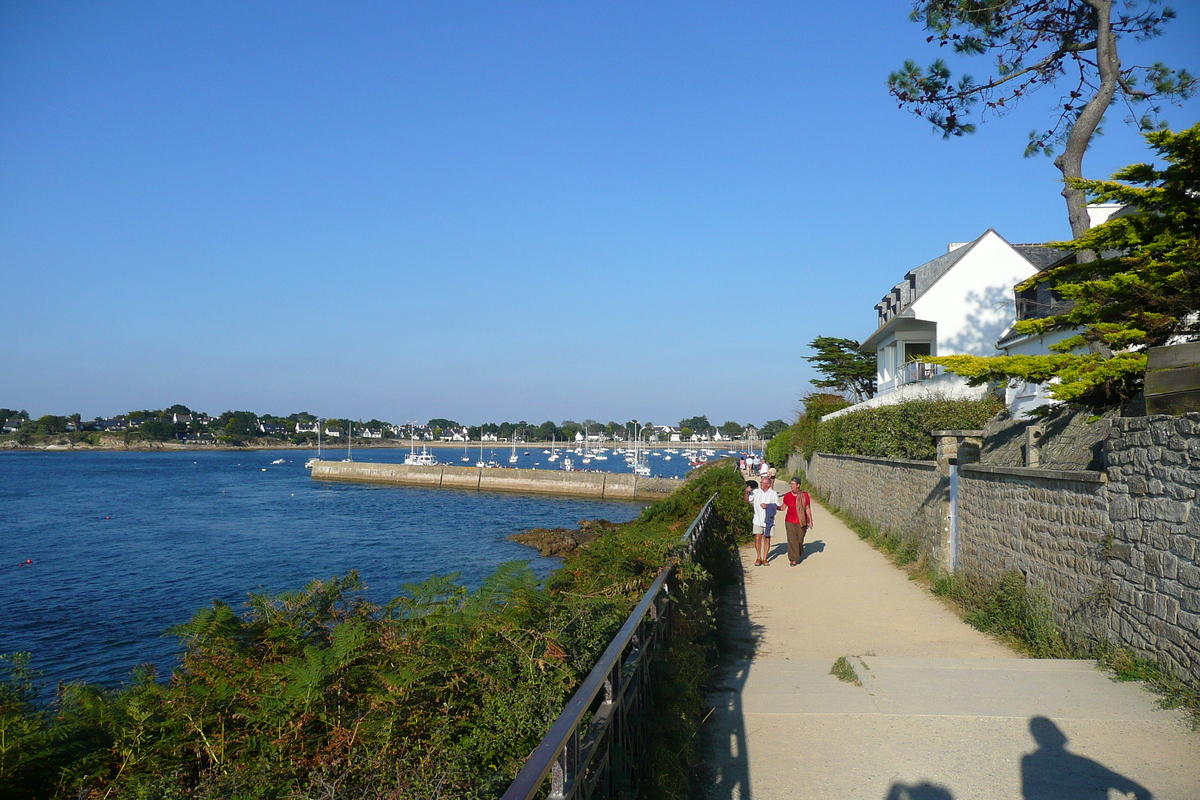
(797, 518)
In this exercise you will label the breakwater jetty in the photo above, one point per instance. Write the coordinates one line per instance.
(604, 485)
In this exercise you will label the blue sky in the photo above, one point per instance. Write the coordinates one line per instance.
(481, 211)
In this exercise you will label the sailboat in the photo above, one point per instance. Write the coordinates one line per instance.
(313, 461)
(349, 443)
(512, 459)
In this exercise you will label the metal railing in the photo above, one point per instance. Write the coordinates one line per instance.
(590, 751)
(915, 372)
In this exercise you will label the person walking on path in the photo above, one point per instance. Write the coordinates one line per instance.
(797, 522)
(760, 499)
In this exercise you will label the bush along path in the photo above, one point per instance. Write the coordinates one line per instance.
(442, 692)
(847, 678)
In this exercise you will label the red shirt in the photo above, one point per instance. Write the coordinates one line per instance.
(791, 502)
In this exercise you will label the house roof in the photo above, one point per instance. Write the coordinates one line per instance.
(917, 281)
(1042, 256)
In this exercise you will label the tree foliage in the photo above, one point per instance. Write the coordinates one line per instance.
(1143, 290)
(845, 368)
(1039, 43)
(816, 405)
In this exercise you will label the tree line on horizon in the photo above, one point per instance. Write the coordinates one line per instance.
(179, 421)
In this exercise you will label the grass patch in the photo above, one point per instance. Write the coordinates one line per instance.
(1172, 692)
(843, 670)
(1008, 609)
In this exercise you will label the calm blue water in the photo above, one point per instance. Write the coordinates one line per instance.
(125, 545)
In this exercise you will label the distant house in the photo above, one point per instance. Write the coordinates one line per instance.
(13, 425)
(335, 433)
(185, 419)
(273, 428)
(307, 427)
(372, 433)
(116, 424)
(489, 437)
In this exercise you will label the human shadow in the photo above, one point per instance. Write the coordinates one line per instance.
(1053, 773)
(779, 549)
(918, 791)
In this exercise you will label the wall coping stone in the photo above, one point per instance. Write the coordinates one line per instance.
(974, 434)
(903, 462)
(1081, 476)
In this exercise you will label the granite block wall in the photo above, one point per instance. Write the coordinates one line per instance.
(907, 498)
(1050, 525)
(1153, 466)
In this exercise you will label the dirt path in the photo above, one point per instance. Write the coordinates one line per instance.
(943, 710)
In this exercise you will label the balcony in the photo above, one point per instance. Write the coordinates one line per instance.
(915, 372)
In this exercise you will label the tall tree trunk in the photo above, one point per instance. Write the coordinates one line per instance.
(1070, 161)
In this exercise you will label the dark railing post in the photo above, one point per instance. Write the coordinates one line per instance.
(584, 767)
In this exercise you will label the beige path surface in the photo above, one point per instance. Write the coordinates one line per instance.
(944, 711)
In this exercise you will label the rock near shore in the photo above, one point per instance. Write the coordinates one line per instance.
(562, 542)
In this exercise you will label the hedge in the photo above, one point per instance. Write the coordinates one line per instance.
(902, 430)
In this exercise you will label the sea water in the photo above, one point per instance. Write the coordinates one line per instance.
(123, 546)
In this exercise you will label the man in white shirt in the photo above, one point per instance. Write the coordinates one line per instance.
(762, 499)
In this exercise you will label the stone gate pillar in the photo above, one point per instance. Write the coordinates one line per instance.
(954, 448)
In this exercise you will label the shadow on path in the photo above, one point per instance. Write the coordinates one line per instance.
(918, 791)
(779, 550)
(738, 642)
(1052, 773)
(1048, 773)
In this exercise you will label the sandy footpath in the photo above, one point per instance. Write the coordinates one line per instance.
(943, 712)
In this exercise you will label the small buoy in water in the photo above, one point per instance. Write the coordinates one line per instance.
(25, 563)
(264, 469)
(108, 517)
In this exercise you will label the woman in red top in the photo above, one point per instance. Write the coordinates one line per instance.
(797, 522)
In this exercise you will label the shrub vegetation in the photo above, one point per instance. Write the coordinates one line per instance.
(902, 430)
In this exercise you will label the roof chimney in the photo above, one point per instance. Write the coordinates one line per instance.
(950, 248)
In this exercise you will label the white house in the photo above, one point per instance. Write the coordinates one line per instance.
(307, 427)
(958, 303)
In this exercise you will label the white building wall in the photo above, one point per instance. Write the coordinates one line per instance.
(944, 386)
(973, 302)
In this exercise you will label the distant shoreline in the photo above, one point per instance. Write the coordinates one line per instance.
(182, 447)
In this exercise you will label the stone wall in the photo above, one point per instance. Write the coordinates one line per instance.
(1051, 525)
(899, 497)
(1153, 477)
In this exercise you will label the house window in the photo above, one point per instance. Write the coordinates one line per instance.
(914, 350)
